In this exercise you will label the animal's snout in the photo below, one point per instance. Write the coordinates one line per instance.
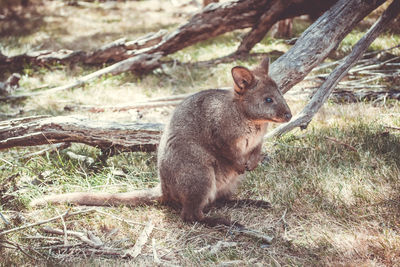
(288, 116)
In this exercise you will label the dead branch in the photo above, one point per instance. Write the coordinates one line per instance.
(144, 236)
(119, 108)
(64, 215)
(341, 143)
(265, 22)
(118, 50)
(214, 20)
(347, 96)
(253, 234)
(303, 118)
(81, 236)
(223, 17)
(315, 44)
(42, 130)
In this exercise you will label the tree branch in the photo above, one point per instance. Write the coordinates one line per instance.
(304, 117)
(315, 44)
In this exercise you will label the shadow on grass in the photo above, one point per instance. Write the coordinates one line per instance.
(23, 23)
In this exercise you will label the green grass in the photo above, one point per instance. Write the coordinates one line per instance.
(334, 188)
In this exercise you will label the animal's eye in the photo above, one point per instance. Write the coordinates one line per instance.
(268, 100)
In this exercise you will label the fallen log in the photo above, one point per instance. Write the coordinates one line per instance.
(327, 32)
(214, 20)
(112, 52)
(108, 136)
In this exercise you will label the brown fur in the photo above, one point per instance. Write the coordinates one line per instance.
(211, 139)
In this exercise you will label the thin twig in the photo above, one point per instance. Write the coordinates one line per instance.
(392, 127)
(341, 143)
(144, 236)
(81, 236)
(253, 233)
(64, 215)
(65, 229)
(127, 221)
(17, 246)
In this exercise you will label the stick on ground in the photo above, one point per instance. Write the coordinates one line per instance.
(64, 215)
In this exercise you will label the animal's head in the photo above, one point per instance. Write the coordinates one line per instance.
(258, 95)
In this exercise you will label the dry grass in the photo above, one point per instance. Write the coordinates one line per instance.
(331, 205)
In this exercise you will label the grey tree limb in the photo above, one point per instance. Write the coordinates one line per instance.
(304, 117)
(315, 44)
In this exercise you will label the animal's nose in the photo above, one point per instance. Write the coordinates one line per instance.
(288, 116)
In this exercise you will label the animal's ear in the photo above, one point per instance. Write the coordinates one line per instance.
(243, 78)
(265, 64)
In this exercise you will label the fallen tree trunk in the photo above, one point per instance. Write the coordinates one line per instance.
(41, 130)
(214, 20)
(328, 31)
(116, 51)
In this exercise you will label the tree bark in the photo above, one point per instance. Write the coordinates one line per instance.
(41, 130)
(282, 29)
(315, 44)
(214, 20)
(116, 51)
(304, 117)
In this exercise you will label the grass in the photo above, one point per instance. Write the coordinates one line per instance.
(334, 188)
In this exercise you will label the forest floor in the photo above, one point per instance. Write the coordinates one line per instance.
(334, 188)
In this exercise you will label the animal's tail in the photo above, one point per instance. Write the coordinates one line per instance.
(134, 198)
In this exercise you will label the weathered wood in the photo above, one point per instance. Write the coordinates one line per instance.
(215, 19)
(283, 28)
(32, 131)
(304, 117)
(280, 10)
(266, 21)
(347, 96)
(219, 18)
(137, 64)
(119, 108)
(315, 44)
(112, 52)
(122, 49)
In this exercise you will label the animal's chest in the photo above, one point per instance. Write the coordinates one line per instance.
(251, 138)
